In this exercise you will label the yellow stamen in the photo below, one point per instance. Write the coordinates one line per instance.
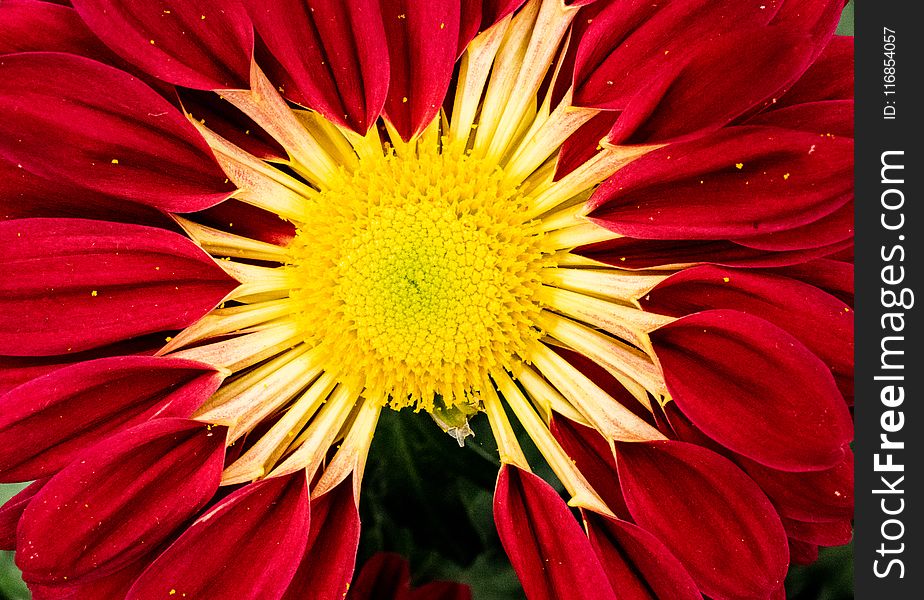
(420, 269)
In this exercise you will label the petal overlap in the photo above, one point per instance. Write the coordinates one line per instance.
(77, 284)
(119, 501)
(129, 143)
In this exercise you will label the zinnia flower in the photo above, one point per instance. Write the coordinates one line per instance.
(235, 232)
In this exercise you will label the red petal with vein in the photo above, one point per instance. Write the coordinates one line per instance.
(226, 120)
(478, 15)
(122, 499)
(736, 183)
(48, 422)
(805, 496)
(820, 321)
(625, 45)
(334, 54)
(24, 195)
(12, 510)
(247, 220)
(548, 549)
(823, 533)
(194, 43)
(829, 78)
(115, 585)
(33, 25)
(826, 117)
(247, 547)
(637, 564)
(594, 459)
(809, 496)
(802, 553)
(603, 379)
(76, 284)
(714, 85)
(817, 17)
(584, 143)
(17, 370)
(755, 389)
(832, 276)
(629, 253)
(830, 229)
(129, 143)
(422, 41)
(708, 513)
(330, 556)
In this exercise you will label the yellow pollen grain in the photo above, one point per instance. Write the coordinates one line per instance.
(726, 279)
(115, 161)
(785, 175)
(94, 293)
(417, 273)
(739, 165)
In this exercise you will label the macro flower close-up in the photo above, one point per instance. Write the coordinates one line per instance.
(252, 251)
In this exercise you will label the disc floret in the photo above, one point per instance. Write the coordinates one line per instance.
(419, 268)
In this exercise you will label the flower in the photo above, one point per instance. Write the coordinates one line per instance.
(388, 576)
(235, 232)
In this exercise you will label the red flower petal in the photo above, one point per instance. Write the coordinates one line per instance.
(334, 55)
(829, 78)
(247, 547)
(708, 513)
(33, 25)
(115, 585)
(247, 220)
(194, 43)
(76, 284)
(119, 501)
(423, 39)
(594, 458)
(830, 229)
(17, 370)
(832, 276)
(25, 195)
(802, 553)
(441, 590)
(584, 143)
(822, 533)
(736, 183)
(630, 253)
(47, 422)
(755, 389)
(817, 17)
(226, 120)
(637, 564)
(549, 551)
(11, 512)
(129, 142)
(330, 556)
(625, 45)
(384, 575)
(826, 117)
(387, 576)
(820, 321)
(714, 84)
(478, 15)
(808, 496)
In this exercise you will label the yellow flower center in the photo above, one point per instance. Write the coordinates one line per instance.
(417, 275)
